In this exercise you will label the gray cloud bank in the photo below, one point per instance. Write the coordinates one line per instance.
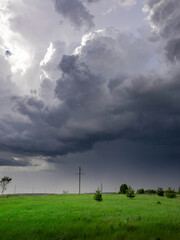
(106, 91)
(76, 12)
(11, 162)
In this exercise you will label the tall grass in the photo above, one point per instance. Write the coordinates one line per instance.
(65, 217)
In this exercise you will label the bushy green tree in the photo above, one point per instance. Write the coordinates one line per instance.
(170, 193)
(160, 192)
(140, 191)
(4, 182)
(130, 192)
(98, 195)
(123, 188)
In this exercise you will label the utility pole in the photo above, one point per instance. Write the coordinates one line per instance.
(101, 188)
(14, 189)
(80, 173)
(79, 180)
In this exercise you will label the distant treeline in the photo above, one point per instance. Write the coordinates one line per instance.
(147, 191)
(170, 193)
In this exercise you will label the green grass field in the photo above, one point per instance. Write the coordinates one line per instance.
(65, 217)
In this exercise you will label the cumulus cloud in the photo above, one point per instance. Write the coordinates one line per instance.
(76, 12)
(100, 101)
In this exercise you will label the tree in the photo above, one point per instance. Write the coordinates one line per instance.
(4, 182)
(140, 191)
(179, 190)
(150, 191)
(130, 192)
(160, 192)
(123, 189)
(98, 195)
(170, 193)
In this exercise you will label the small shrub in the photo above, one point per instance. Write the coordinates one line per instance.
(158, 202)
(160, 192)
(123, 189)
(98, 195)
(170, 193)
(130, 192)
(140, 191)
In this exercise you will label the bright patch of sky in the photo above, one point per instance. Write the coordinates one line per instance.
(13, 45)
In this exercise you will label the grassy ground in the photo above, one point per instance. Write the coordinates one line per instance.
(66, 217)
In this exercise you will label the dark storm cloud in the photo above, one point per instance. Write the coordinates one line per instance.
(76, 12)
(84, 113)
(9, 161)
(105, 92)
(95, 106)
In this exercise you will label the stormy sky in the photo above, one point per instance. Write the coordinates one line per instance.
(90, 83)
